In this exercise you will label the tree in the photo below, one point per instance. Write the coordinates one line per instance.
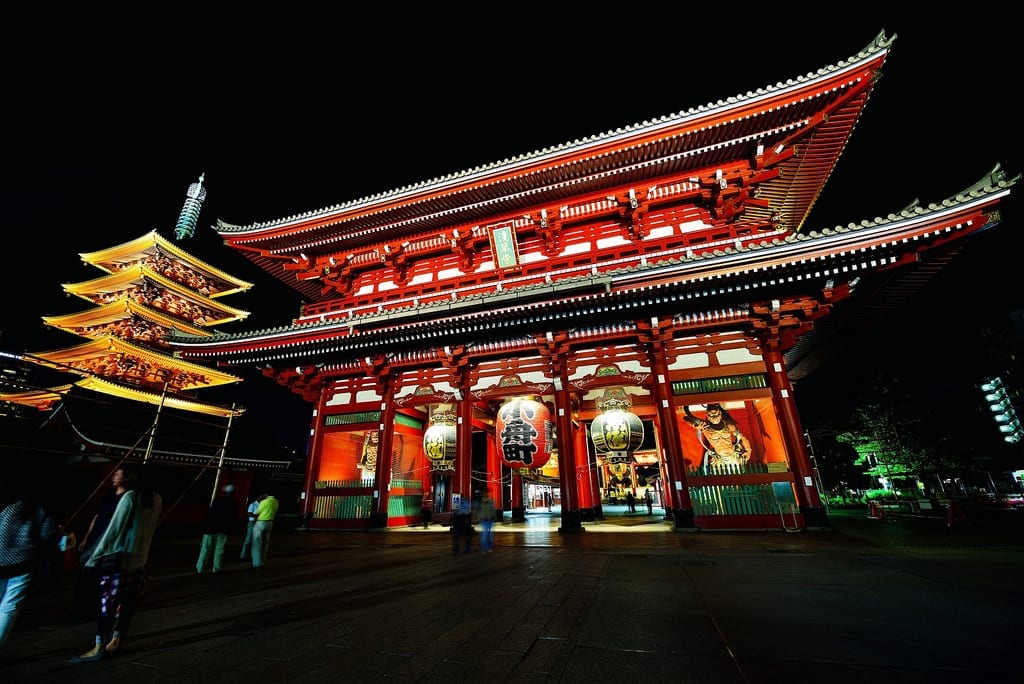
(901, 435)
(836, 461)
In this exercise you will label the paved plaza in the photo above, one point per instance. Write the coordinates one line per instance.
(627, 600)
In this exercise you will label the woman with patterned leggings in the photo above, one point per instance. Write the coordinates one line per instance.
(121, 560)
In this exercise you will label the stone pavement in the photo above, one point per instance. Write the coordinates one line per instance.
(626, 600)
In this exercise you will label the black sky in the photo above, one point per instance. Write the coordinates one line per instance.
(105, 134)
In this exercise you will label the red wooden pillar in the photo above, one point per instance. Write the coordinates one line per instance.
(493, 484)
(586, 477)
(676, 490)
(585, 496)
(808, 496)
(571, 519)
(664, 492)
(315, 454)
(382, 474)
(665, 489)
(594, 476)
(462, 483)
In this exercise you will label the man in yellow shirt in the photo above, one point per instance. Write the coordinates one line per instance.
(265, 514)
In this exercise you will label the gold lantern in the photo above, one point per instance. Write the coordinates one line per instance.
(617, 431)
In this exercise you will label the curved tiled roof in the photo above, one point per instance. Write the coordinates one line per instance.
(122, 308)
(143, 395)
(114, 284)
(111, 351)
(755, 269)
(116, 258)
(814, 113)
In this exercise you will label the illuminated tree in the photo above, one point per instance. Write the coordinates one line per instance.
(905, 436)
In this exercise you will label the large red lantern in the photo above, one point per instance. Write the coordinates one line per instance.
(525, 433)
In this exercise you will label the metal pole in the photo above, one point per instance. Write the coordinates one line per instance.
(223, 450)
(156, 421)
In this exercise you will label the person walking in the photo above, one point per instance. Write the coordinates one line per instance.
(121, 559)
(485, 514)
(86, 583)
(425, 513)
(220, 520)
(266, 511)
(649, 500)
(27, 530)
(630, 502)
(462, 527)
(250, 521)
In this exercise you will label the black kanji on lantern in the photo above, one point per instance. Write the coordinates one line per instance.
(518, 436)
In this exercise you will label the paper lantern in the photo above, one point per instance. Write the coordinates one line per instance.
(617, 432)
(524, 431)
(439, 438)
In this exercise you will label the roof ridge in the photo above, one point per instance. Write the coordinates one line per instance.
(879, 43)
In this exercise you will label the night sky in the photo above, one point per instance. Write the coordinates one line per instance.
(103, 147)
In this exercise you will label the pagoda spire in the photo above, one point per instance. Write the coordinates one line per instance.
(194, 199)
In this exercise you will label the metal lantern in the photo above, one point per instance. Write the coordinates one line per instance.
(525, 433)
(617, 431)
(439, 438)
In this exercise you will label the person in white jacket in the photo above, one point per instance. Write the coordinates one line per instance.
(250, 521)
(121, 560)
